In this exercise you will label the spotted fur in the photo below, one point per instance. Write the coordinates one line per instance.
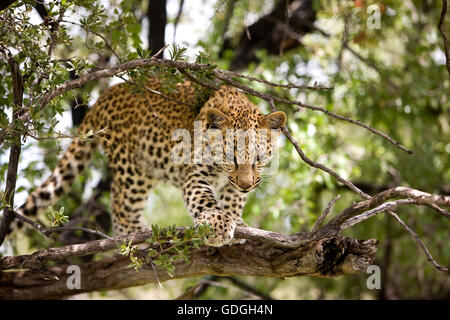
(136, 131)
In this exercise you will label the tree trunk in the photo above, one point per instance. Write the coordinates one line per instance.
(157, 17)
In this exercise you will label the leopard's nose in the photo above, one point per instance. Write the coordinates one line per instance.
(244, 184)
(244, 177)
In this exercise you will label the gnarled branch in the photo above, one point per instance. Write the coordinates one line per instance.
(327, 257)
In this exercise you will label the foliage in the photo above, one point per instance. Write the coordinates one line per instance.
(57, 217)
(166, 247)
(396, 82)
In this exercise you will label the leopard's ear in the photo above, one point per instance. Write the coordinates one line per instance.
(216, 119)
(274, 120)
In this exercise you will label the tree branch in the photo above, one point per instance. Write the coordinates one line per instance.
(328, 257)
(47, 232)
(322, 253)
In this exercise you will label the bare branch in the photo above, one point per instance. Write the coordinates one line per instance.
(196, 291)
(48, 231)
(324, 214)
(200, 82)
(315, 164)
(272, 84)
(54, 28)
(419, 197)
(419, 242)
(370, 213)
(87, 30)
(414, 197)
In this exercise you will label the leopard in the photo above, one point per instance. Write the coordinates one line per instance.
(135, 129)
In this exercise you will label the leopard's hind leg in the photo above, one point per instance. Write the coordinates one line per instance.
(129, 193)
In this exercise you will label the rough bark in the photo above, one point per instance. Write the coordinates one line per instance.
(322, 253)
(328, 257)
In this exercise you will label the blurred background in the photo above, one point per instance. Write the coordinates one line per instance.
(386, 62)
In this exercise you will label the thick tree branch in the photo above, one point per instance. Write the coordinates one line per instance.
(328, 257)
(323, 253)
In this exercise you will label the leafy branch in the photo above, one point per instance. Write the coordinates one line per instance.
(167, 245)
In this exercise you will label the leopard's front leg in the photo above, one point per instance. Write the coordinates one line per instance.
(200, 198)
(233, 202)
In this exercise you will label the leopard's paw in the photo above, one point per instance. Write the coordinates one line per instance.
(222, 227)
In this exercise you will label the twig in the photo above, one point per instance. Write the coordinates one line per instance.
(53, 39)
(48, 231)
(315, 164)
(371, 65)
(202, 83)
(272, 84)
(87, 30)
(324, 214)
(160, 51)
(418, 241)
(444, 36)
(156, 273)
(387, 206)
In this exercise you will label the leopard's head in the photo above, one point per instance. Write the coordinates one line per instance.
(248, 140)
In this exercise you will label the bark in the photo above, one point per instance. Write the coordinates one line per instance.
(276, 32)
(328, 257)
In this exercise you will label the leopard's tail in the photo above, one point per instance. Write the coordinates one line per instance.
(75, 159)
